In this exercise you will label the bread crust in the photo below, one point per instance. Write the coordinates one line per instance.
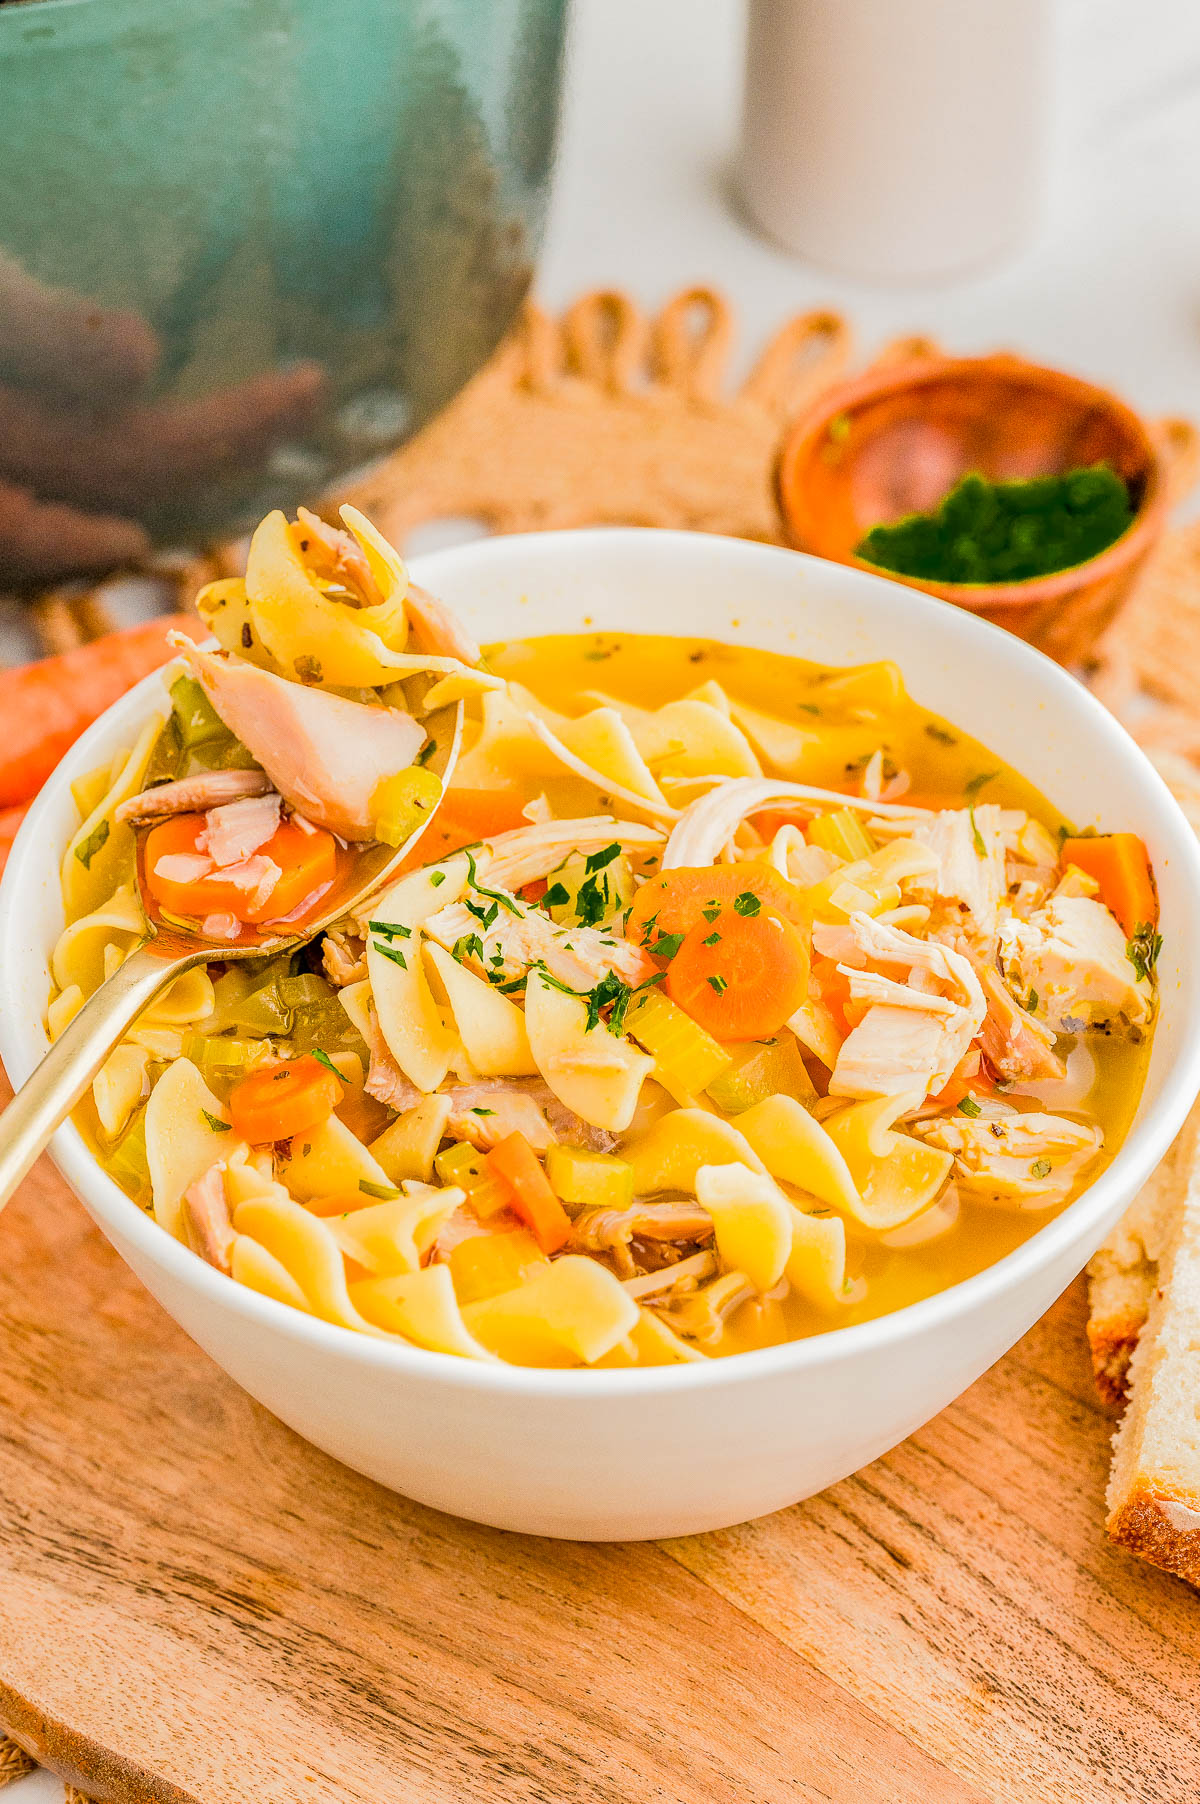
(1112, 1341)
(1157, 1529)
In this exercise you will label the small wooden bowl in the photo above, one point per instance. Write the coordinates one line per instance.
(897, 439)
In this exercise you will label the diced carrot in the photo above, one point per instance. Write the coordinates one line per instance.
(282, 1100)
(466, 816)
(740, 976)
(676, 900)
(514, 1161)
(968, 1078)
(1120, 864)
(306, 861)
(46, 706)
(533, 892)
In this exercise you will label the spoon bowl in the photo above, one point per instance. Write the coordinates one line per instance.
(173, 946)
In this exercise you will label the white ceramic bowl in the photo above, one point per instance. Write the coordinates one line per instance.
(626, 1454)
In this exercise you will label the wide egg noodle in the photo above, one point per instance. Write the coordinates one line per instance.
(571, 1312)
(419, 1034)
(99, 857)
(422, 1306)
(896, 1176)
(491, 1026)
(596, 1073)
(391, 1238)
(751, 1221)
(187, 1132)
(668, 1156)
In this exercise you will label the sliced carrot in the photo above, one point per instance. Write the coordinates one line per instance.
(46, 706)
(517, 1165)
(283, 1100)
(740, 976)
(1120, 864)
(675, 900)
(968, 1078)
(306, 861)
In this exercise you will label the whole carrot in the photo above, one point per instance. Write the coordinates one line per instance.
(44, 707)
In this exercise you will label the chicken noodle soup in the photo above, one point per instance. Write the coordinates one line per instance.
(726, 999)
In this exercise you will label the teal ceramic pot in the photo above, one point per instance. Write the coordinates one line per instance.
(247, 246)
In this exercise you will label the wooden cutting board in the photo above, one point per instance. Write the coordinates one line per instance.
(196, 1605)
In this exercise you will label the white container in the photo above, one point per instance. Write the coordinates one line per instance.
(896, 139)
(618, 1455)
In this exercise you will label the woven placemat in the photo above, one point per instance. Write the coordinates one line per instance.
(609, 416)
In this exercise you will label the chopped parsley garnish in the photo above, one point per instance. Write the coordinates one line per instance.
(393, 952)
(478, 1111)
(745, 904)
(940, 734)
(711, 912)
(436, 880)
(1040, 1168)
(714, 939)
(718, 984)
(666, 945)
(485, 916)
(978, 783)
(215, 1123)
(1031, 1003)
(556, 896)
(968, 1106)
(391, 930)
(468, 946)
(976, 836)
(87, 848)
(323, 1058)
(596, 861)
(496, 895)
(809, 707)
(384, 1192)
(1143, 949)
(426, 752)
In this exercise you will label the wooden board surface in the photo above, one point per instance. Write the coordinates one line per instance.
(196, 1605)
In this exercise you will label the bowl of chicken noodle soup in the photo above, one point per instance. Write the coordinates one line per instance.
(791, 987)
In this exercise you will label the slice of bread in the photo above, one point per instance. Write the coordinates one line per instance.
(1123, 1275)
(1154, 1485)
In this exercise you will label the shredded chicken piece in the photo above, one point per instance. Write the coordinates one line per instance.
(671, 1281)
(193, 795)
(708, 825)
(325, 755)
(611, 1230)
(908, 1043)
(344, 958)
(520, 937)
(489, 1111)
(347, 561)
(1071, 963)
(517, 858)
(1027, 1161)
(702, 1315)
(204, 1218)
(971, 847)
(438, 629)
(236, 830)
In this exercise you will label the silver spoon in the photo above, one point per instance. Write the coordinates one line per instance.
(47, 1097)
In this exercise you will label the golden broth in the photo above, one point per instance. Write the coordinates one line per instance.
(860, 709)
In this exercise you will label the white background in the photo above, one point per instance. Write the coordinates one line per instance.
(1110, 287)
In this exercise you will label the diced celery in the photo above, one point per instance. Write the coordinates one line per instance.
(487, 1265)
(219, 1053)
(467, 1168)
(195, 717)
(841, 833)
(226, 753)
(306, 990)
(128, 1162)
(166, 758)
(262, 1012)
(686, 1059)
(759, 1069)
(584, 892)
(586, 1180)
(401, 803)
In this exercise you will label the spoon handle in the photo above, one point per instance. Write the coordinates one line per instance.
(47, 1097)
